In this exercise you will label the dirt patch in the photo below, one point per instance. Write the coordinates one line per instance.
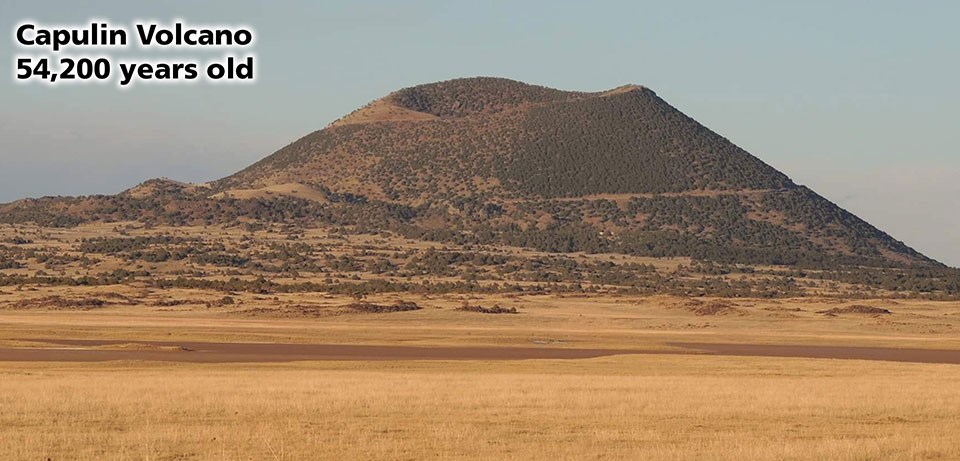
(84, 350)
(142, 347)
(80, 350)
(496, 309)
(15, 343)
(307, 310)
(782, 309)
(400, 306)
(549, 341)
(855, 309)
(222, 302)
(113, 295)
(291, 311)
(889, 354)
(177, 302)
(59, 302)
(712, 308)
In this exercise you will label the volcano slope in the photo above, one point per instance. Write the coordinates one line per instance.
(493, 165)
(619, 170)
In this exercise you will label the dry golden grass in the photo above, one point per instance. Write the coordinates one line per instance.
(564, 320)
(289, 190)
(624, 407)
(647, 407)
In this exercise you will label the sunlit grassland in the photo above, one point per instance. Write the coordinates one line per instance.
(664, 407)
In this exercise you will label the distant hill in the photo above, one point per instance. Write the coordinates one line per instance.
(495, 161)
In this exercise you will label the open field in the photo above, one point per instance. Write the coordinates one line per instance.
(627, 407)
(134, 341)
(661, 404)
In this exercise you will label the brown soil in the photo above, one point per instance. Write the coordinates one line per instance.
(142, 347)
(59, 302)
(292, 311)
(497, 309)
(890, 354)
(177, 302)
(79, 350)
(307, 310)
(783, 309)
(402, 306)
(856, 309)
(712, 308)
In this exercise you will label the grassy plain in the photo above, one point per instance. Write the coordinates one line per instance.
(627, 407)
(620, 407)
(656, 405)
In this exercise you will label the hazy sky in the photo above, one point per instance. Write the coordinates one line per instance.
(857, 99)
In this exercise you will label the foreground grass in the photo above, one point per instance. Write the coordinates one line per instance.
(614, 408)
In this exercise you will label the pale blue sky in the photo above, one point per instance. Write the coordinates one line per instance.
(857, 99)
